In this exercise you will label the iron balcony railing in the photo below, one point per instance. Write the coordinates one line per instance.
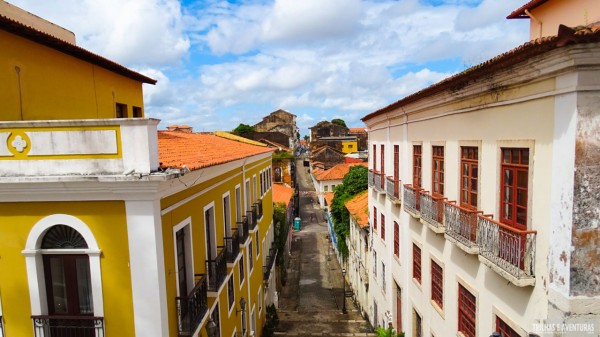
(371, 178)
(68, 326)
(270, 263)
(252, 217)
(379, 181)
(461, 225)
(243, 227)
(192, 308)
(432, 209)
(259, 208)
(217, 270)
(233, 245)
(509, 248)
(412, 200)
(392, 188)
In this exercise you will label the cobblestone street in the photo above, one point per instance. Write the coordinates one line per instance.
(311, 302)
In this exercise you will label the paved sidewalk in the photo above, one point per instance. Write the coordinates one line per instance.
(311, 302)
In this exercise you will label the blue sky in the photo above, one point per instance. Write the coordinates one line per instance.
(221, 63)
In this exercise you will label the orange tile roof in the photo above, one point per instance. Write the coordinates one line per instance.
(337, 172)
(328, 196)
(357, 130)
(358, 207)
(282, 193)
(196, 150)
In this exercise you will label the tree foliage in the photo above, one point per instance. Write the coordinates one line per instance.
(355, 181)
(339, 121)
(389, 332)
(306, 138)
(243, 129)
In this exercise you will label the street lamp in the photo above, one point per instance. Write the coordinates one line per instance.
(211, 328)
(344, 291)
(242, 305)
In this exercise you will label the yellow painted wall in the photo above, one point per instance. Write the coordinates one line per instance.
(349, 146)
(54, 85)
(107, 221)
(214, 190)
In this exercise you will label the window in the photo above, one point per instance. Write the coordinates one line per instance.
(469, 158)
(382, 168)
(437, 284)
(350, 146)
(230, 293)
(437, 178)
(417, 166)
(396, 239)
(261, 183)
(227, 215)
(504, 329)
(326, 188)
(374, 264)
(374, 157)
(250, 256)
(238, 204)
(260, 299)
(137, 112)
(417, 263)
(254, 191)
(466, 312)
(374, 218)
(418, 324)
(215, 318)
(513, 194)
(374, 312)
(257, 242)
(396, 167)
(121, 110)
(383, 276)
(382, 227)
(398, 308)
(242, 274)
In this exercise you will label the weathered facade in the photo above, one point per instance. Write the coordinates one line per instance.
(279, 121)
(328, 156)
(327, 129)
(484, 192)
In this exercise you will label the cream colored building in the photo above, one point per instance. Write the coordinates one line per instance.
(358, 243)
(484, 197)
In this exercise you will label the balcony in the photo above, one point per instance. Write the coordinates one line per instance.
(379, 181)
(412, 201)
(268, 267)
(392, 189)
(217, 270)
(192, 308)
(259, 208)
(461, 227)
(432, 211)
(252, 218)
(65, 326)
(508, 251)
(233, 245)
(242, 228)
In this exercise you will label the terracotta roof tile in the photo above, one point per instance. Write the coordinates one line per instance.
(337, 172)
(357, 130)
(232, 136)
(196, 151)
(358, 207)
(520, 13)
(282, 193)
(328, 196)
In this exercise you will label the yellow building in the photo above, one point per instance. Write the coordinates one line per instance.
(110, 227)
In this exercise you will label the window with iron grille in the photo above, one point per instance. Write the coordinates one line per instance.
(417, 165)
(437, 184)
(417, 263)
(437, 284)
(504, 329)
(382, 227)
(396, 239)
(467, 308)
(374, 218)
(514, 188)
(469, 169)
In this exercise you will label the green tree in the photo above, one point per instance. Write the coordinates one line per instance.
(306, 138)
(355, 181)
(339, 121)
(243, 129)
(389, 332)
(280, 237)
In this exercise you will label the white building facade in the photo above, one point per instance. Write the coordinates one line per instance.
(483, 197)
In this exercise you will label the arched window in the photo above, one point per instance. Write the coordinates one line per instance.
(63, 273)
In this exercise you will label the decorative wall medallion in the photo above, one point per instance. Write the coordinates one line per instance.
(19, 143)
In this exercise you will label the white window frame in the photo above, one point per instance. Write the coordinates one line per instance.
(189, 254)
(35, 267)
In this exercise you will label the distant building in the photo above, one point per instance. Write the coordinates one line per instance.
(327, 156)
(358, 249)
(362, 138)
(345, 144)
(326, 180)
(279, 121)
(327, 129)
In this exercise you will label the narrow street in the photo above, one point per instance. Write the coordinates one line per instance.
(311, 302)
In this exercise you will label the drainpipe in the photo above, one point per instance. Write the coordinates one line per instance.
(535, 19)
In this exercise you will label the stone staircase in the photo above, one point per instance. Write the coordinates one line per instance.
(322, 323)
